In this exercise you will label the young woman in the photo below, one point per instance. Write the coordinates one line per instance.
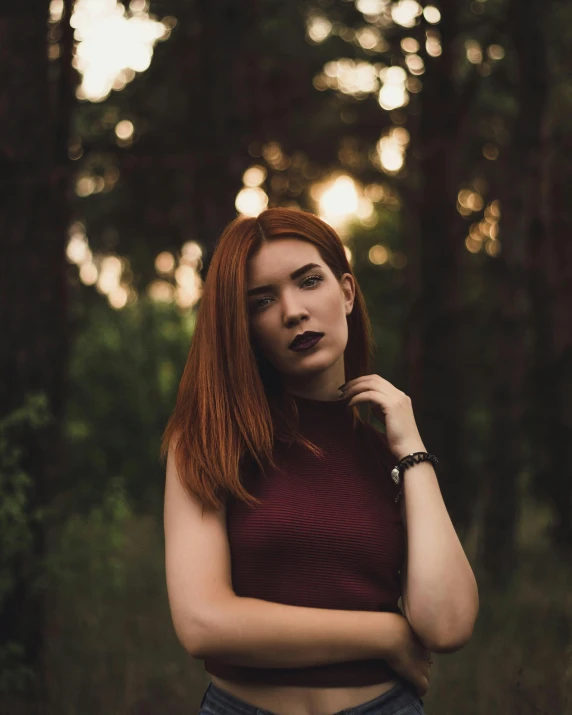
(290, 537)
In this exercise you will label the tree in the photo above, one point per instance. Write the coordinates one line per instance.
(33, 310)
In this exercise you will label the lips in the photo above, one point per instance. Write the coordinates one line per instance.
(305, 341)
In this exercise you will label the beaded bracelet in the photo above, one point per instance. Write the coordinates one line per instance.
(409, 461)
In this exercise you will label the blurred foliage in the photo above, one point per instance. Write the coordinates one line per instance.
(112, 648)
(111, 645)
(124, 374)
(18, 518)
(110, 641)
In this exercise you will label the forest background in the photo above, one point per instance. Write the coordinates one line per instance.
(436, 138)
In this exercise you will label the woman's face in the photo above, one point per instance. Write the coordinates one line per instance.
(311, 300)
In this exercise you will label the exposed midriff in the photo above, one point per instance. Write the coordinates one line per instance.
(302, 700)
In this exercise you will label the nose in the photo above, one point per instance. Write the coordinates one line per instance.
(292, 311)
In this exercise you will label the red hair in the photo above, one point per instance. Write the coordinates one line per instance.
(230, 405)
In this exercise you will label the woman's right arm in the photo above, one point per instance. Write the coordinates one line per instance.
(258, 633)
(253, 632)
(211, 621)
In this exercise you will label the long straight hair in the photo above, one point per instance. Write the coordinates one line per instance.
(230, 406)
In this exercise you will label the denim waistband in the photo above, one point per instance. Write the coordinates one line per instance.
(221, 702)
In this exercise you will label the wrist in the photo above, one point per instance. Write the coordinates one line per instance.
(409, 448)
(391, 631)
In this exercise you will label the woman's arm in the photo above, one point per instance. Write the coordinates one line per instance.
(439, 589)
(440, 594)
(258, 633)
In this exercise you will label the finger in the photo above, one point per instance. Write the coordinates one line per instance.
(366, 396)
(359, 380)
(374, 381)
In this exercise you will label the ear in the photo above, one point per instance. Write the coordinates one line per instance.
(348, 287)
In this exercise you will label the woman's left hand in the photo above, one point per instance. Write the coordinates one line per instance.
(391, 406)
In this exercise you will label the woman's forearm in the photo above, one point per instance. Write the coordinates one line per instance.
(258, 633)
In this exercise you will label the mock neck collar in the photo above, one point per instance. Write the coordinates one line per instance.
(320, 413)
(310, 402)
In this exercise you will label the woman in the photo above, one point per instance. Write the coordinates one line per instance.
(289, 539)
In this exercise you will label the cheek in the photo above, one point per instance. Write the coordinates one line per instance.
(261, 334)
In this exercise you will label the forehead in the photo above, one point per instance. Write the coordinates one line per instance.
(277, 259)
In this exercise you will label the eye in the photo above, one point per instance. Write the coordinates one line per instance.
(260, 302)
(312, 278)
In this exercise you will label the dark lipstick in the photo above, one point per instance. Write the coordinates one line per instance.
(305, 342)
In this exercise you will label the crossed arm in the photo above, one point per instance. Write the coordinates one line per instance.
(439, 590)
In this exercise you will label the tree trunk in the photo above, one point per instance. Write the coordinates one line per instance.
(521, 231)
(34, 114)
(434, 245)
(550, 380)
(221, 90)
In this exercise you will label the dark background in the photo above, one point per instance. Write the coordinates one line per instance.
(127, 142)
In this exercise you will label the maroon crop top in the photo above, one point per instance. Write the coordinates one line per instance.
(328, 534)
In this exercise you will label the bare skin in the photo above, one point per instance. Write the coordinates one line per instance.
(295, 308)
(293, 700)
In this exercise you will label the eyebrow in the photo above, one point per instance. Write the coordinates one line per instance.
(295, 274)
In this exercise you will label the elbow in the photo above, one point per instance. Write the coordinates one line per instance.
(190, 635)
(201, 636)
(450, 638)
(447, 645)
(452, 632)
(446, 636)
(190, 641)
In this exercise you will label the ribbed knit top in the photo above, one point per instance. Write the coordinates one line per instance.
(328, 534)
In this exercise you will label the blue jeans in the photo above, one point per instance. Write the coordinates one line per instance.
(402, 699)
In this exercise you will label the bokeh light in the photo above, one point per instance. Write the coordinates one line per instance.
(124, 129)
(113, 44)
(432, 14)
(251, 201)
(474, 52)
(378, 254)
(490, 152)
(337, 200)
(433, 43)
(406, 12)
(409, 44)
(318, 28)
(56, 10)
(393, 93)
(391, 149)
(165, 263)
(484, 234)
(469, 201)
(495, 52)
(88, 273)
(371, 8)
(254, 176)
(415, 64)
(354, 77)
(161, 291)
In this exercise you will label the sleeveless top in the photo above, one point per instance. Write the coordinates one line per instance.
(328, 534)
